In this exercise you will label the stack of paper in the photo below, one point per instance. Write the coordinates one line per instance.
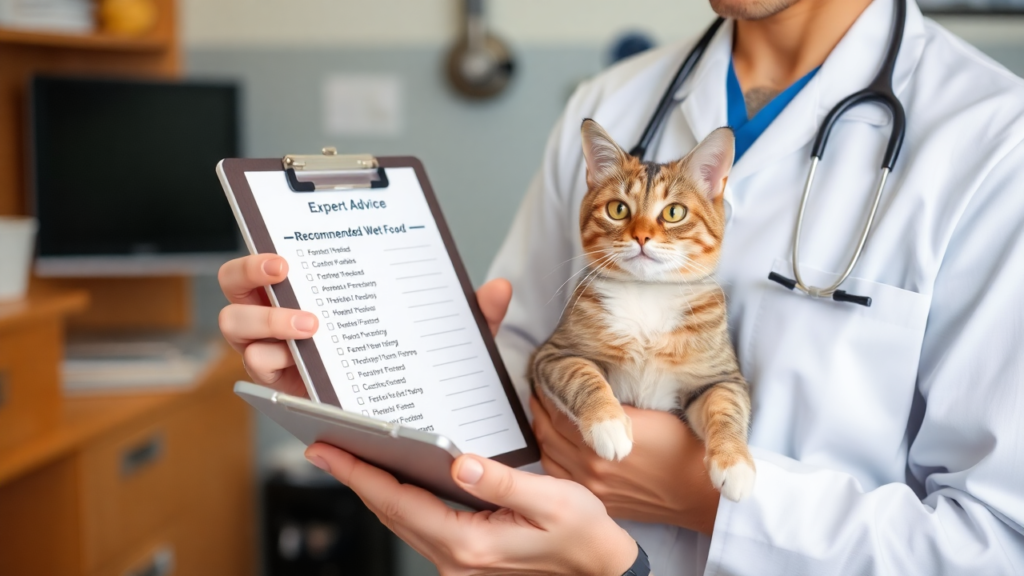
(76, 16)
(135, 365)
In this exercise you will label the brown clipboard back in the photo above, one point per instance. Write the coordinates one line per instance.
(259, 242)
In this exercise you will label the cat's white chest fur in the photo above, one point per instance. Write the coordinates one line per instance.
(640, 314)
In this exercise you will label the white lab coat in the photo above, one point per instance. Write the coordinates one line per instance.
(889, 439)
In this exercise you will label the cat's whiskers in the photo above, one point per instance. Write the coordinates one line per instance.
(588, 265)
(555, 269)
(599, 264)
(592, 274)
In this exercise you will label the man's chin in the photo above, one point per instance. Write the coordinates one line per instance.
(750, 9)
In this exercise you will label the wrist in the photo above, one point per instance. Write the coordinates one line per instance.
(615, 554)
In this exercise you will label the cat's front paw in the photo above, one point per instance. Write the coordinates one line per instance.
(611, 439)
(734, 478)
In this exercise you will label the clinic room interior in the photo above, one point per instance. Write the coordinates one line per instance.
(124, 449)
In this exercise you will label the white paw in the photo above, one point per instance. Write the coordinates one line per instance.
(735, 482)
(610, 439)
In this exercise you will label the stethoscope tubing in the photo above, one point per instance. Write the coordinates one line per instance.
(880, 91)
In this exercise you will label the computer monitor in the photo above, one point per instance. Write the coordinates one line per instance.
(122, 176)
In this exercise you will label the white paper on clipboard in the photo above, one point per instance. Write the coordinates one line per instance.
(397, 337)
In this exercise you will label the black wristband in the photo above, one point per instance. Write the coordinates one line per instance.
(642, 566)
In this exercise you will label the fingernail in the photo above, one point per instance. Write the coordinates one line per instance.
(318, 462)
(273, 267)
(303, 322)
(471, 471)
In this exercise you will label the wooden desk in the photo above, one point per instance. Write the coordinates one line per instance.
(119, 484)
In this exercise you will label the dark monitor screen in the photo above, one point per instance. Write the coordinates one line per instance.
(127, 167)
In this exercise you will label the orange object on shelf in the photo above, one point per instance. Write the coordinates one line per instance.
(127, 17)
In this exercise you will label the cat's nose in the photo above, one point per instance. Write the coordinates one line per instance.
(641, 240)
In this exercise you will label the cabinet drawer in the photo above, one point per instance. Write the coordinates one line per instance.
(132, 487)
(159, 555)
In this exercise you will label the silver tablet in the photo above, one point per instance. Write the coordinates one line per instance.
(419, 458)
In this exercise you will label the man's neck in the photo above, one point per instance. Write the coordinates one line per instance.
(772, 53)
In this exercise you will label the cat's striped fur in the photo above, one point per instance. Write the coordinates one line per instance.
(647, 323)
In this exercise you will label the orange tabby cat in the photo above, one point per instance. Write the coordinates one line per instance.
(647, 324)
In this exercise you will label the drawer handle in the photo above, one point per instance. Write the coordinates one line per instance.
(161, 564)
(145, 454)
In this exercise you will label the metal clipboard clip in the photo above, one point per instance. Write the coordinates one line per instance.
(331, 171)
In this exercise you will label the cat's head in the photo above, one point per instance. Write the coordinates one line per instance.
(654, 222)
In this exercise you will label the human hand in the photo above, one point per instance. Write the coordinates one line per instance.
(662, 480)
(545, 525)
(259, 331)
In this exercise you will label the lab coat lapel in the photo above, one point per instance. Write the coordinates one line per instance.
(703, 95)
(849, 68)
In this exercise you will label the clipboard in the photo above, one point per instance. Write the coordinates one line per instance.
(342, 192)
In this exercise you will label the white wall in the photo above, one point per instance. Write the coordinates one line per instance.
(395, 23)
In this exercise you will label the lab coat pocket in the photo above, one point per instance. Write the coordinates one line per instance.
(833, 381)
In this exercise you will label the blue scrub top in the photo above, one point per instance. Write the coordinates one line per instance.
(749, 129)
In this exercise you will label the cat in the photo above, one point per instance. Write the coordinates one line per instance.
(647, 324)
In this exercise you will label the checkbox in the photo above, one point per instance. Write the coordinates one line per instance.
(360, 401)
(315, 290)
(335, 340)
(344, 363)
(304, 265)
(341, 351)
(365, 413)
(309, 277)
(355, 388)
(319, 301)
(300, 252)
(330, 325)
(351, 376)
(326, 314)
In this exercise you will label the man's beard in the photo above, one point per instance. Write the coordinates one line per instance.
(750, 9)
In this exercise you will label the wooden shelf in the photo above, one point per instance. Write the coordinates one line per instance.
(41, 305)
(96, 41)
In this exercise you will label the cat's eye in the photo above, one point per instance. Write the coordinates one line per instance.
(673, 213)
(618, 210)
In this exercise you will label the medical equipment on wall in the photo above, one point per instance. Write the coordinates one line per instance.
(479, 65)
(879, 91)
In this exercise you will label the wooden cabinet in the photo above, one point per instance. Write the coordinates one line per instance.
(147, 484)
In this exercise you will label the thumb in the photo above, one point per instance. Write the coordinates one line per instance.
(529, 494)
(493, 298)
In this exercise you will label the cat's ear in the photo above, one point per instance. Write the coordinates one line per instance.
(710, 162)
(604, 157)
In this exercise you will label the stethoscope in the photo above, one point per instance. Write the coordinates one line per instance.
(880, 91)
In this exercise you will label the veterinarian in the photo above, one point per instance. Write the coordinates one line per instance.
(887, 438)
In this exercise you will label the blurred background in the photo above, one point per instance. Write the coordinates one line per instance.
(122, 449)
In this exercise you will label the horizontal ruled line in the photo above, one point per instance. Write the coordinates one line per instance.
(424, 289)
(454, 361)
(434, 318)
(460, 376)
(413, 261)
(486, 435)
(447, 347)
(418, 276)
(406, 248)
(428, 304)
(472, 405)
(467, 390)
(480, 420)
(444, 332)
